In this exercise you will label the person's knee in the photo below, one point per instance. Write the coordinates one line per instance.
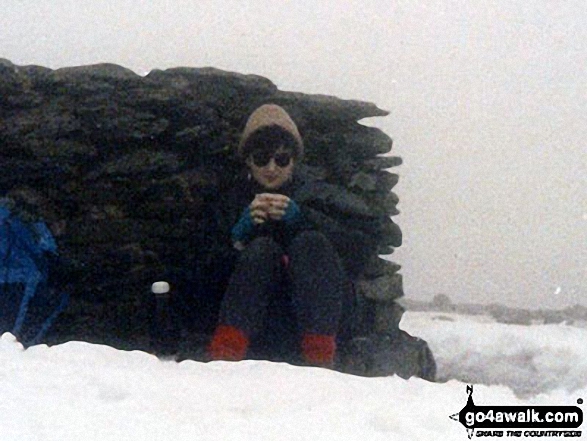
(263, 250)
(263, 246)
(311, 242)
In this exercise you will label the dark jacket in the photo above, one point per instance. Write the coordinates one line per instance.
(342, 217)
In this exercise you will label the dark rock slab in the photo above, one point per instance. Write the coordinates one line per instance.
(385, 288)
(133, 166)
(326, 108)
(397, 353)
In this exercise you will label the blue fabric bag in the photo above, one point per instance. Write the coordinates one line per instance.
(28, 304)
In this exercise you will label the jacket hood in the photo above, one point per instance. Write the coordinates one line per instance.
(271, 115)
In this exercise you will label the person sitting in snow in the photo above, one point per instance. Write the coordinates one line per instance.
(280, 245)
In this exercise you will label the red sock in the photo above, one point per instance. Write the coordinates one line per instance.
(319, 350)
(228, 343)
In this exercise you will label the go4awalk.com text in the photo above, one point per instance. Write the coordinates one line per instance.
(520, 421)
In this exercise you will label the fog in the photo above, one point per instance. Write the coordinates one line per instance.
(487, 104)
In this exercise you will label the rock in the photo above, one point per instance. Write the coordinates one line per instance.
(384, 250)
(388, 316)
(391, 210)
(382, 163)
(381, 182)
(380, 354)
(60, 150)
(16, 89)
(361, 143)
(41, 124)
(389, 204)
(10, 80)
(336, 198)
(403, 355)
(384, 288)
(119, 124)
(135, 165)
(36, 73)
(35, 173)
(381, 204)
(200, 141)
(91, 73)
(319, 108)
(377, 267)
(364, 182)
(315, 172)
(142, 162)
(6, 64)
(386, 181)
(215, 78)
(107, 231)
(390, 233)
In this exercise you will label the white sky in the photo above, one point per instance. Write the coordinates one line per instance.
(487, 102)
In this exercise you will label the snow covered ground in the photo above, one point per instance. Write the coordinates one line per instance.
(79, 391)
(527, 359)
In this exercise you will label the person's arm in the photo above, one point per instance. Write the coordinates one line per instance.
(243, 229)
(255, 214)
(264, 207)
(293, 214)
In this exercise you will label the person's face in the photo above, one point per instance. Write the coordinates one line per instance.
(271, 169)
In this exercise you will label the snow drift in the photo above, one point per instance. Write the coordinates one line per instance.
(527, 359)
(82, 391)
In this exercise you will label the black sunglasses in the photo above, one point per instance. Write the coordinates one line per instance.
(261, 159)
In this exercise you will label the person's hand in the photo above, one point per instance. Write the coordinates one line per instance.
(278, 204)
(268, 206)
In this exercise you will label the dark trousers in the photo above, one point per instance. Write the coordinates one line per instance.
(312, 291)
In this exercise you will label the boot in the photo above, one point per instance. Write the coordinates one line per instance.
(228, 343)
(319, 350)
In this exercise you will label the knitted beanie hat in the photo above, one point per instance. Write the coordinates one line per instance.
(271, 115)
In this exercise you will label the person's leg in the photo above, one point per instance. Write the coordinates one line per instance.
(319, 295)
(245, 303)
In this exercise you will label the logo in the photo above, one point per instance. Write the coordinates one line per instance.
(518, 421)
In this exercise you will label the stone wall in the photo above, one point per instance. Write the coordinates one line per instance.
(130, 165)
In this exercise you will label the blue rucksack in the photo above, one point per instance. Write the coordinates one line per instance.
(28, 304)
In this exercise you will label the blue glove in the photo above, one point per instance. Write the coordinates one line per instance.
(243, 229)
(292, 213)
